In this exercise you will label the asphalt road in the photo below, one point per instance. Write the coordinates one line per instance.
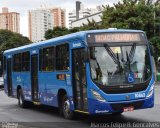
(44, 117)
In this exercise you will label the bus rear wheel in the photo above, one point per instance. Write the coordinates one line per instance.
(21, 102)
(67, 113)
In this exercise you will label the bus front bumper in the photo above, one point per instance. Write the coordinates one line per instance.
(98, 107)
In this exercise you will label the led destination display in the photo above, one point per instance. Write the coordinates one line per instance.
(115, 37)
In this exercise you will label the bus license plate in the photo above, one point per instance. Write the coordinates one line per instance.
(126, 109)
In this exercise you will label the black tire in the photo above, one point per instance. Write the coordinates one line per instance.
(117, 113)
(21, 102)
(65, 109)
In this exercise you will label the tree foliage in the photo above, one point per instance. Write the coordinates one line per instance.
(56, 32)
(60, 31)
(10, 40)
(131, 14)
(156, 46)
(91, 25)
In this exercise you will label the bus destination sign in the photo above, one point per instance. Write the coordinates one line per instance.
(115, 37)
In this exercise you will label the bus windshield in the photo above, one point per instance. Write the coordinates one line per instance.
(119, 65)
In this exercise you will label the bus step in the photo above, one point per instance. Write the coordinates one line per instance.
(36, 103)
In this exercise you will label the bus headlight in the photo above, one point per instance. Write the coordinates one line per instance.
(150, 93)
(98, 96)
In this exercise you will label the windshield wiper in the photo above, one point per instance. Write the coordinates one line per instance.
(132, 52)
(114, 57)
(130, 55)
(128, 61)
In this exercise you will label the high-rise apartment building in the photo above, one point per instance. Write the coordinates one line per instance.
(78, 8)
(80, 22)
(40, 20)
(81, 12)
(59, 16)
(71, 17)
(10, 20)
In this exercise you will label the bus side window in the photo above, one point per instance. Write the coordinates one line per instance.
(17, 58)
(46, 59)
(62, 57)
(25, 61)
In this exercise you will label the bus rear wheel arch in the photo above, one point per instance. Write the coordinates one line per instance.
(64, 105)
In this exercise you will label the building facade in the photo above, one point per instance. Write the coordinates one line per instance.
(10, 20)
(71, 17)
(59, 16)
(40, 20)
(78, 8)
(80, 12)
(96, 17)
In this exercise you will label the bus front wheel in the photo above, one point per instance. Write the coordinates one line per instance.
(67, 113)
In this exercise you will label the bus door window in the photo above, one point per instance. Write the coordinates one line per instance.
(79, 75)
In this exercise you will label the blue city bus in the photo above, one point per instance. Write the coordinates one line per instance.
(92, 72)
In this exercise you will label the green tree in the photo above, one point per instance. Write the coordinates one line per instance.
(10, 40)
(157, 19)
(73, 30)
(91, 25)
(60, 31)
(133, 14)
(56, 32)
(48, 34)
(155, 41)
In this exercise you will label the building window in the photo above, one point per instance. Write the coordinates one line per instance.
(46, 59)
(25, 61)
(62, 57)
(17, 62)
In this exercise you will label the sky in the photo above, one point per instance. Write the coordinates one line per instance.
(22, 7)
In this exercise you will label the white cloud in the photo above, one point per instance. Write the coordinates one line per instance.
(22, 6)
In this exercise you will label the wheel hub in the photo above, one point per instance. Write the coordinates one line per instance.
(66, 107)
(20, 100)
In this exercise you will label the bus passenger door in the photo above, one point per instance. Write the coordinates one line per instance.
(34, 77)
(79, 80)
(9, 76)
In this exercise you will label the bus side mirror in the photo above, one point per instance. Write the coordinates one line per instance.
(151, 48)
